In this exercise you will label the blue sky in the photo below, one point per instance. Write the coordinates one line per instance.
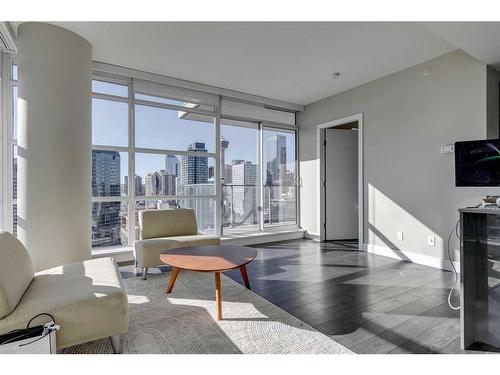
(161, 128)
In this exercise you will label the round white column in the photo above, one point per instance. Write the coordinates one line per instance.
(54, 144)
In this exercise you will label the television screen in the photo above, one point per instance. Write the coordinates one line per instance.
(477, 163)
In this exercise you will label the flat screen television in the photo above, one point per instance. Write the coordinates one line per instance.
(477, 163)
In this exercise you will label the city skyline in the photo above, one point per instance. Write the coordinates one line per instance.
(154, 129)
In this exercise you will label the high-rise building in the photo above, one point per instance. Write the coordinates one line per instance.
(139, 190)
(172, 165)
(160, 183)
(244, 192)
(106, 174)
(194, 169)
(106, 221)
(226, 169)
(276, 158)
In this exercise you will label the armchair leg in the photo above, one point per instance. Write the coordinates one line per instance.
(144, 273)
(116, 344)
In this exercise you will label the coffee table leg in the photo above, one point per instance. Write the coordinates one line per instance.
(218, 295)
(171, 281)
(244, 275)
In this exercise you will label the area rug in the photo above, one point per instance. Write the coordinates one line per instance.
(184, 321)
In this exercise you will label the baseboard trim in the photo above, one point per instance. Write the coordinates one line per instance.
(263, 237)
(425, 260)
(312, 236)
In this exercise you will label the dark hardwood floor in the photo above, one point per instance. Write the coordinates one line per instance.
(369, 303)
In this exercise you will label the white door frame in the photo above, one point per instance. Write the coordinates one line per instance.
(321, 166)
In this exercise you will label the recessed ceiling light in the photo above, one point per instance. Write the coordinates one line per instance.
(335, 75)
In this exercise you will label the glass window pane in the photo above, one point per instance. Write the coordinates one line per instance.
(102, 87)
(239, 160)
(109, 173)
(14, 172)
(203, 207)
(109, 123)
(109, 224)
(14, 219)
(169, 174)
(280, 206)
(14, 112)
(161, 128)
(15, 72)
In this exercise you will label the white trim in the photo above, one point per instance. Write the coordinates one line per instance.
(8, 143)
(312, 236)
(100, 67)
(260, 178)
(131, 163)
(110, 199)
(113, 98)
(130, 77)
(218, 168)
(110, 148)
(425, 260)
(319, 199)
(7, 38)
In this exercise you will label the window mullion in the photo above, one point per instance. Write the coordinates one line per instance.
(131, 164)
(217, 169)
(261, 179)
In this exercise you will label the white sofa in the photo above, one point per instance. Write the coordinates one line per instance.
(87, 299)
(161, 230)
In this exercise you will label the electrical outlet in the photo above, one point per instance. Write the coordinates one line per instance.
(448, 149)
(431, 240)
(400, 236)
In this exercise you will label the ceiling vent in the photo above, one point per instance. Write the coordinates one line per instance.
(7, 39)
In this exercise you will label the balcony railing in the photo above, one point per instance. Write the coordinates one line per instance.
(240, 205)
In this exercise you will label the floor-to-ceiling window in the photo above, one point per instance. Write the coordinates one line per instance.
(110, 164)
(239, 175)
(279, 177)
(175, 158)
(154, 146)
(9, 139)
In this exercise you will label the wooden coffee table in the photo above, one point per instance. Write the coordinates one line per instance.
(215, 259)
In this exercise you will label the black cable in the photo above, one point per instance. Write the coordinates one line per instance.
(456, 231)
(23, 333)
(36, 316)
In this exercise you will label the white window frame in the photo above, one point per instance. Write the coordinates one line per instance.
(131, 151)
(8, 143)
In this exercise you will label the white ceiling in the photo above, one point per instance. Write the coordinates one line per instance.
(479, 39)
(286, 61)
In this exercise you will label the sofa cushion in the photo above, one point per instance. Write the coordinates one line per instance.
(167, 223)
(147, 251)
(87, 299)
(16, 272)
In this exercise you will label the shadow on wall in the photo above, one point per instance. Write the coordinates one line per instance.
(386, 218)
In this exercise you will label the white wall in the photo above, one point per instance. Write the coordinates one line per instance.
(54, 161)
(493, 102)
(409, 185)
(341, 173)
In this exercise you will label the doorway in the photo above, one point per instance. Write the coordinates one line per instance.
(340, 211)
